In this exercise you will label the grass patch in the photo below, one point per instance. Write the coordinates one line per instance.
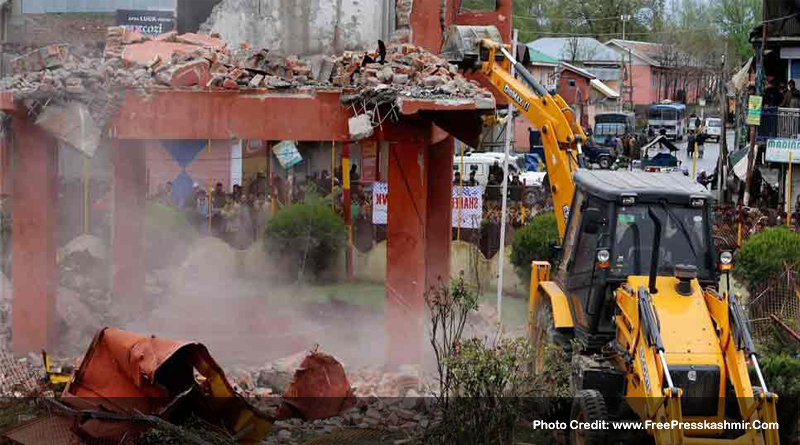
(373, 296)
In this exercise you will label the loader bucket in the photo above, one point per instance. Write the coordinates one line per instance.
(461, 44)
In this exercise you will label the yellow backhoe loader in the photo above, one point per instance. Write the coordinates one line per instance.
(661, 350)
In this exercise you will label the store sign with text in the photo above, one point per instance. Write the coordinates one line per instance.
(148, 23)
(779, 150)
(467, 203)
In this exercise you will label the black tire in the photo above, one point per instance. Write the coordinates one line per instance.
(605, 162)
(588, 406)
(546, 335)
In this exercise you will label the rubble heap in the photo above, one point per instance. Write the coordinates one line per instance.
(53, 75)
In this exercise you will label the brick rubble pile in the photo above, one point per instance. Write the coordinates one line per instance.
(205, 62)
(388, 401)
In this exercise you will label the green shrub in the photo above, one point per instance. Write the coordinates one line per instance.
(763, 256)
(780, 364)
(308, 234)
(532, 243)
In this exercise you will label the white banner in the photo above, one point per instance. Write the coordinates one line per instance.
(471, 210)
(778, 150)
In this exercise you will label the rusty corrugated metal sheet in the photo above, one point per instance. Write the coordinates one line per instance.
(129, 373)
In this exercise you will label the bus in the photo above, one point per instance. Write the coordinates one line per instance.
(608, 125)
(670, 117)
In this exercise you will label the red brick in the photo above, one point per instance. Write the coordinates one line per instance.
(189, 74)
(230, 84)
(403, 69)
(237, 74)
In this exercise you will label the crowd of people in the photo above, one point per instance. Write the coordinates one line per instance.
(778, 95)
(238, 217)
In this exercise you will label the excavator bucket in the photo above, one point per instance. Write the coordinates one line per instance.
(462, 47)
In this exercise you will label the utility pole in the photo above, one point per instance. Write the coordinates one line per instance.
(503, 217)
(722, 162)
(624, 18)
(630, 80)
(751, 153)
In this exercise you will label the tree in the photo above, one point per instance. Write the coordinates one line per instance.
(734, 20)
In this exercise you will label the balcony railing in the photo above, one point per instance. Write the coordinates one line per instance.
(779, 123)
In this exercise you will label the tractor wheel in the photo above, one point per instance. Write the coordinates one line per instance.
(588, 406)
(545, 335)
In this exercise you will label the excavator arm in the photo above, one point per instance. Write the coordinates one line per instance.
(561, 135)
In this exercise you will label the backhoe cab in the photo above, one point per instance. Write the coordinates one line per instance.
(634, 285)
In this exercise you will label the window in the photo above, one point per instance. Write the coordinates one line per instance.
(609, 129)
(571, 233)
(635, 236)
(586, 250)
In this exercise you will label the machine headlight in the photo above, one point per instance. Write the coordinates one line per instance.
(603, 256)
(726, 258)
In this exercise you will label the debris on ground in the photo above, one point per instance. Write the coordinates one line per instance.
(127, 382)
(137, 389)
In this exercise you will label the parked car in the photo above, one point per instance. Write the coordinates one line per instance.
(599, 155)
(714, 128)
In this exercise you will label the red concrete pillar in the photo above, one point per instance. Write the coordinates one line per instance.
(405, 251)
(127, 244)
(439, 211)
(35, 275)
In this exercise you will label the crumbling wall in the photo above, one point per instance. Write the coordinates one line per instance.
(302, 27)
(43, 29)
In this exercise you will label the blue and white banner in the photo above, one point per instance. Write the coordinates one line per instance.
(467, 203)
(287, 154)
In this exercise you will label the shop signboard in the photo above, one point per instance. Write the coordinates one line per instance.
(778, 150)
(145, 22)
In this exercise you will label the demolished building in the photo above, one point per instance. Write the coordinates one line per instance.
(195, 86)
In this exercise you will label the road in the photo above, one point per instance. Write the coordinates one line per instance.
(710, 156)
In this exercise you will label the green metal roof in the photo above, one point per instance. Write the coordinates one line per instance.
(540, 57)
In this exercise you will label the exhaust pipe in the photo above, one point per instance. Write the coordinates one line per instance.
(656, 250)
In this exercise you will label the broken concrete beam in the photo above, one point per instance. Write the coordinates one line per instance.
(360, 127)
(72, 124)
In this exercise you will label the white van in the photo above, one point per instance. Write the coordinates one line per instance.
(480, 163)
